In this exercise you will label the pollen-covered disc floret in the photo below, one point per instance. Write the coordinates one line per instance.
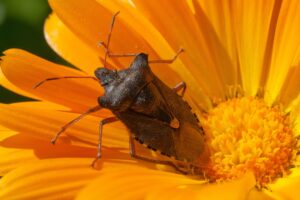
(247, 135)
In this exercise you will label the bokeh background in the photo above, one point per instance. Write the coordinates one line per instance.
(21, 26)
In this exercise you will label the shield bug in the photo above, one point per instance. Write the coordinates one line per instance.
(155, 114)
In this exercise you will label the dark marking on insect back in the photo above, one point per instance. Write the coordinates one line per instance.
(196, 117)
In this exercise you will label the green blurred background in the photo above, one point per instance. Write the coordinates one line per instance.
(21, 26)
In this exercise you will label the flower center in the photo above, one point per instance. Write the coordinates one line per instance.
(245, 134)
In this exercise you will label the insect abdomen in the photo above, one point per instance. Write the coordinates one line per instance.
(149, 131)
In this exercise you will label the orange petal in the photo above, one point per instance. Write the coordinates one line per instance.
(215, 25)
(255, 194)
(60, 178)
(44, 123)
(251, 30)
(295, 117)
(6, 83)
(92, 26)
(231, 190)
(3, 128)
(226, 191)
(219, 14)
(161, 185)
(288, 187)
(289, 94)
(285, 48)
(41, 105)
(47, 179)
(127, 180)
(10, 158)
(69, 46)
(237, 189)
(17, 149)
(25, 70)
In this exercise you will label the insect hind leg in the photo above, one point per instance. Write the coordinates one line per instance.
(164, 162)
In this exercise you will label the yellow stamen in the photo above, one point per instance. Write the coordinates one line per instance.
(247, 135)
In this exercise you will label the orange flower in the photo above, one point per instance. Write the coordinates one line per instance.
(241, 66)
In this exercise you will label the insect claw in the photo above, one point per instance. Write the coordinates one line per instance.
(53, 141)
(101, 43)
(181, 50)
(117, 13)
(93, 165)
(37, 85)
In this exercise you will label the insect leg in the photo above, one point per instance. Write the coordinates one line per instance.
(102, 122)
(122, 55)
(91, 110)
(168, 60)
(63, 77)
(164, 162)
(180, 86)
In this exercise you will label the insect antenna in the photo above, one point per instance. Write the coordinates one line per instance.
(63, 77)
(106, 46)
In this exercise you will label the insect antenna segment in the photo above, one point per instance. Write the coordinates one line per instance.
(106, 46)
(63, 77)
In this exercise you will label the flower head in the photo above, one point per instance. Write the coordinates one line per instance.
(241, 67)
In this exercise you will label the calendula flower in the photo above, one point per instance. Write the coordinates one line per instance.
(241, 66)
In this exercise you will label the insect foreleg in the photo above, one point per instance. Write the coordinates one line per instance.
(102, 123)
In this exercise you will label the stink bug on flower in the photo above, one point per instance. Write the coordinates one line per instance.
(155, 114)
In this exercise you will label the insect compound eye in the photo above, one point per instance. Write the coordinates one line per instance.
(103, 101)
